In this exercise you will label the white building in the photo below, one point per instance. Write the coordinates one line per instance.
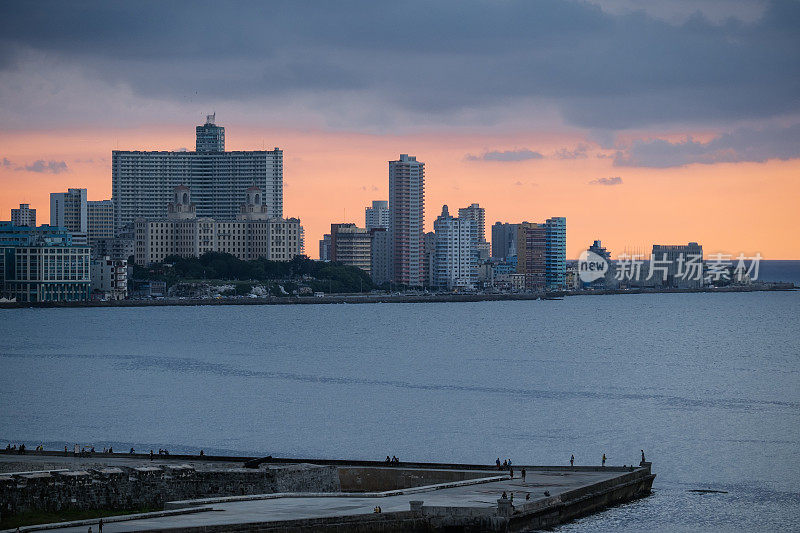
(24, 216)
(377, 216)
(252, 235)
(110, 278)
(456, 258)
(143, 181)
(100, 216)
(70, 210)
(406, 224)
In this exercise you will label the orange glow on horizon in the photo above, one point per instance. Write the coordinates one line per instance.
(331, 177)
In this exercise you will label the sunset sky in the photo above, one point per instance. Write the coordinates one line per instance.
(640, 123)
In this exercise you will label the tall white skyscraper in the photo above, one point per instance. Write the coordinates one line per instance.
(142, 182)
(377, 216)
(478, 214)
(406, 224)
(456, 254)
(69, 210)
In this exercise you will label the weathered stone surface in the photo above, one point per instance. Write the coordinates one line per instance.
(151, 487)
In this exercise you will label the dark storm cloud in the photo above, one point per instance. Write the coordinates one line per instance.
(507, 155)
(45, 167)
(600, 70)
(616, 180)
(744, 144)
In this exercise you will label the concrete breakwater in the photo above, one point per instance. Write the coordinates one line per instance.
(284, 495)
(123, 487)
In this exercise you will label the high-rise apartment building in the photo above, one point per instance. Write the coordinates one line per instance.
(209, 136)
(24, 216)
(379, 256)
(378, 215)
(143, 181)
(677, 265)
(100, 215)
(325, 247)
(69, 210)
(504, 240)
(456, 259)
(478, 214)
(542, 254)
(407, 214)
(350, 245)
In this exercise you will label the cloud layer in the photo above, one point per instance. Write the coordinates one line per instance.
(522, 154)
(744, 144)
(361, 64)
(616, 180)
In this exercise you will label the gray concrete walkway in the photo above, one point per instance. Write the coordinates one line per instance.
(483, 495)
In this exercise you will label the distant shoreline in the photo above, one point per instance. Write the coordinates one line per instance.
(386, 298)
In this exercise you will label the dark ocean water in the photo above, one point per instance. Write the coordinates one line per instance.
(775, 270)
(707, 384)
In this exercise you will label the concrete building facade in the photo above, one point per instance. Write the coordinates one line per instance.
(456, 260)
(677, 266)
(379, 256)
(143, 181)
(351, 245)
(42, 265)
(252, 235)
(70, 210)
(406, 227)
(110, 278)
(504, 240)
(100, 215)
(377, 216)
(542, 254)
(24, 216)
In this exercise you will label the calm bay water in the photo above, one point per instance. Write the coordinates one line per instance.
(707, 384)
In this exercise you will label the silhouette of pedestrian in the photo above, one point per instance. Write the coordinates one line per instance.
(100, 526)
(151, 455)
(523, 474)
(572, 460)
(511, 472)
(604, 459)
(504, 496)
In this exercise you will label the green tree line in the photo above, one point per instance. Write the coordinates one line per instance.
(326, 277)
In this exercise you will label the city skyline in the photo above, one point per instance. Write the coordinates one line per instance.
(639, 123)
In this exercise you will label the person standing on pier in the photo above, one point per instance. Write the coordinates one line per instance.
(604, 459)
(572, 460)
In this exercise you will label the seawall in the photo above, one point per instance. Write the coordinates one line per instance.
(387, 298)
(124, 488)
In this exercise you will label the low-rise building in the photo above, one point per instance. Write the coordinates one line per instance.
(251, 236)
(42, 265)
(109, 278)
